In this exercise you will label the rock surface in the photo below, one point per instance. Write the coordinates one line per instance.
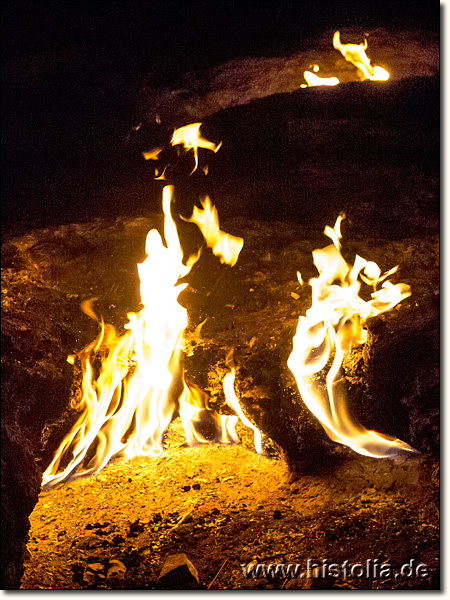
(178, 573)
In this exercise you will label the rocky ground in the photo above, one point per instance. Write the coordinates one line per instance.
(225, 507)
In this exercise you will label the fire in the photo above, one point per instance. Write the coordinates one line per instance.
(189, 136)
(333, 325)
(356, 54)
(227, 247)
(314, 80)
(140, 386)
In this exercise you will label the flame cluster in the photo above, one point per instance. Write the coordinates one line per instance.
(129, 400)
(141, 387)
(332, 326)
(354, 54)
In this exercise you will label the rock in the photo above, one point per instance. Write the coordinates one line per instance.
(314, 583)
(89, 542)
(135, 528)
(95, 567)
(93, 572)
(20, 483)
(88, 577)
(116, 569)
(117, 540)
(178, 573)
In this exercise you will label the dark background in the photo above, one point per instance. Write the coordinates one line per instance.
(191, 34)
(71, 72)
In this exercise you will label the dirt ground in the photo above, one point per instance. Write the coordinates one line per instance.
(227, 507)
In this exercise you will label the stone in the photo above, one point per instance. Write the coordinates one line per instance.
(95, 567)
(178, 573)
(116, 570)
(88, 577)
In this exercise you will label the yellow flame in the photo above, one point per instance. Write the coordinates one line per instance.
(227, 247)
(233, 402)
(356, 54)
(189, 136)
(332, 326)
(152, 154)
(126, 408)
(201, 424)
(314, 80)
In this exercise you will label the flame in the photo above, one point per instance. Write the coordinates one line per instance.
(152, 154)
(189, 136)
(333, 325)
(356, 54)
(227, 247)
(314, 80)
(140, 385)
(233, 402)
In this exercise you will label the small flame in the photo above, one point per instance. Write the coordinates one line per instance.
(314, 80)
(227, 247)
(152, 154)
(233, 402)
(128, 406)
(334, 324)
(201, 424)
(189, 136)
(356, 54)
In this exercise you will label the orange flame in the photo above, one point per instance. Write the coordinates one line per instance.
(127, 408)
(227, 247)
(356, 54)
(334, 324)
(189, 136)
(314, 80)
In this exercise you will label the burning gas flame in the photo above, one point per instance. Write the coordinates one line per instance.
(314, 80)
(189, 136)
(333, 325)
(140, 385)
(152, 154)
(227, 247)
(356, 54)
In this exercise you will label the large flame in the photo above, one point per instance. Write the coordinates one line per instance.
(356, 54)
(331, 327)
(140, 385)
